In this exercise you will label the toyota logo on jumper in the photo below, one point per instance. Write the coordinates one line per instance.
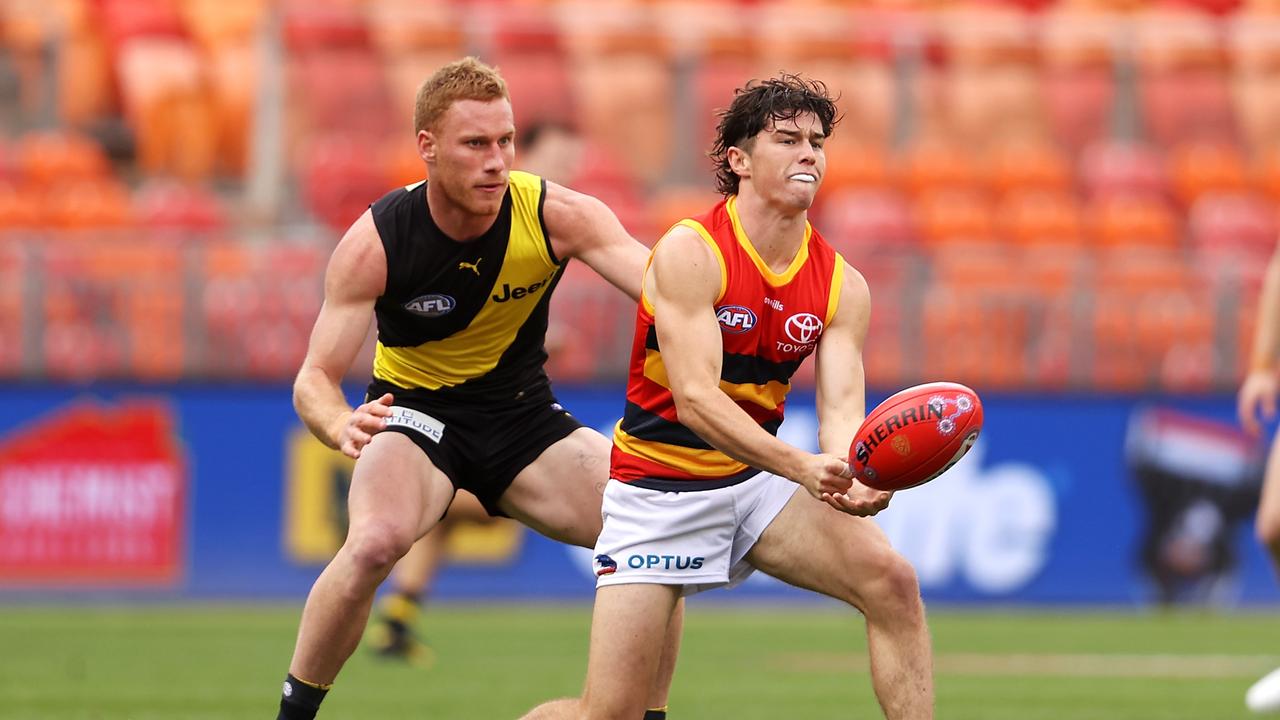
(804, 328)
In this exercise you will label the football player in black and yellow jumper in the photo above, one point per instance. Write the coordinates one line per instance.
(458, 270)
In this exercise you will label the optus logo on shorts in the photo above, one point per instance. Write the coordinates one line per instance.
(665, 562)
(735, 318)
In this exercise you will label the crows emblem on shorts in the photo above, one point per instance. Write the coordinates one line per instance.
(605, 565)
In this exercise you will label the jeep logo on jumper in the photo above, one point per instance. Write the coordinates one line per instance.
(515, 293)
(735, 318)
(433, 305)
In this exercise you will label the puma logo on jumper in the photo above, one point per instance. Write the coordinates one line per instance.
(473, 267)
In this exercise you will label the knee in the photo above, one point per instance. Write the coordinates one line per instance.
(891, 589)
(376, 548)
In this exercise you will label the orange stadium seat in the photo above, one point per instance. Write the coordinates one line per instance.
(21, 207)
(218, 23)
(90, 205)
(1133, 220)
(1200, 168)
(954, 216)
(673, 203)
(1041, 217)
(1118, 168)
(1028, 165)
(52, 157)
(408, 26)
(167, 104)
(232, 75)
(854, 165)
(935, 164)
(400, 162)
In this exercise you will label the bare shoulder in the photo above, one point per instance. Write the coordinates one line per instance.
(575, 220)
(854, 309)
(855, 287)
(683, 243)
(358, 267)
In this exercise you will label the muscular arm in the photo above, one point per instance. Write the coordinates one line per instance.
(1258, 392)
(583, 227)
(356, 276)
(842, 388)
(841, 381)
(683, 283)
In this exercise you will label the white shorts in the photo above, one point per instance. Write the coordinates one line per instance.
(697, 539)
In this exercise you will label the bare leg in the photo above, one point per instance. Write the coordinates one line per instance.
(396, 496)
(1268, 521)
(1264, 695)
(559, 495)
(627, 630)
(849, 558)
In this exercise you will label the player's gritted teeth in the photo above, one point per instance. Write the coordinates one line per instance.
(804, 178)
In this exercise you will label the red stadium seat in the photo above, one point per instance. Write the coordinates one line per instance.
(325, 25)
(340, 177)
(1122, 169)
(170, 205)
(864, 222)
(1079, 87)
(1235, 221)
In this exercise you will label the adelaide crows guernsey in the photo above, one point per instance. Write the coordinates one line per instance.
(465, 320)
(769, 323)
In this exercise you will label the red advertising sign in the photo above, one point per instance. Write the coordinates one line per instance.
(93, 494)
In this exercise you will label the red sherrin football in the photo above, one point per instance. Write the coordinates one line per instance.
(915, 435)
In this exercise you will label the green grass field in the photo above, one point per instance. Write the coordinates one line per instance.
(803, 662)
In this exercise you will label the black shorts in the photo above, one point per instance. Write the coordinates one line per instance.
(481, 447)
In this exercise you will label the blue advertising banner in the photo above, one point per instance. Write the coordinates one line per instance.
(1065, 499)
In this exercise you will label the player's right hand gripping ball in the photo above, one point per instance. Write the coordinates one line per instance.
(916, 435)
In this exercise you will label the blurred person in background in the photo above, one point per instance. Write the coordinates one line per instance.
(1257, 399)
(551, 150)
(703, 493)
(458, 271)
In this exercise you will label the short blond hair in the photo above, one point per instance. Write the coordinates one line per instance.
(465, 79)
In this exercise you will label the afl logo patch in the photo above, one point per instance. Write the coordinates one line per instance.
(431, 305)
(735, 318)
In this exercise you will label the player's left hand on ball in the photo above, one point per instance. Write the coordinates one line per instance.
(859, 500)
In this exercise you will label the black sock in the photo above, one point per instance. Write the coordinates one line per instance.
(656, 714)
(300, 699)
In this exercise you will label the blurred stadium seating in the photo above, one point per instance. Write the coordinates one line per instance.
(1076, 194)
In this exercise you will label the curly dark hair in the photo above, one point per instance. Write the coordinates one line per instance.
(760, 103)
